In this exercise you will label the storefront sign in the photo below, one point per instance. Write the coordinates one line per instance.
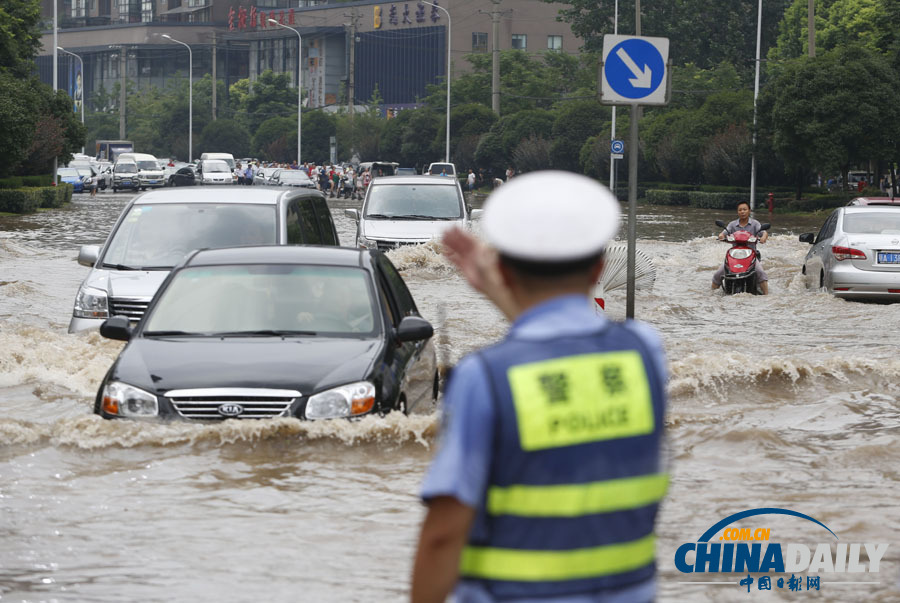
(243, 19)
(397, 16)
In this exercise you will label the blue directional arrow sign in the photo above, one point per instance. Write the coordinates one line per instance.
(634, 70)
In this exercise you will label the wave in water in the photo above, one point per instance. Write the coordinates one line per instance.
(92, 432)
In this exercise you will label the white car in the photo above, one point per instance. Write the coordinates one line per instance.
(215, 171)
(409, 210)
(856, 253)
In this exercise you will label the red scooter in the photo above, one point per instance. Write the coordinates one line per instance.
(740, 262)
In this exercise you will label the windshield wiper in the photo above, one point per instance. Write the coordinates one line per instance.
(421, 217)
(379, 216)
(121, 267)
(265, 333)
(170, 333)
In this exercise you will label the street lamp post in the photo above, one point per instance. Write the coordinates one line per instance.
(61, 49)
(449, 25)
(190, 96)
(299, 82)
(755, 96)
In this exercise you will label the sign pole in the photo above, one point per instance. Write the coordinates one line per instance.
(632, 211)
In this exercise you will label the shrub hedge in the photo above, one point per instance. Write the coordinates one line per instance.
(28, 200)
(25, 181)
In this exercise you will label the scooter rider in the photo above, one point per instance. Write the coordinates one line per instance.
(748, 224)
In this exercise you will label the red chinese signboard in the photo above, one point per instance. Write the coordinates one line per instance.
(242, 18)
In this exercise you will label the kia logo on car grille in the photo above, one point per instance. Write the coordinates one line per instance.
(230, 410)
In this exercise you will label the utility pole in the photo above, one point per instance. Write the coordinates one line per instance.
(56, 77)
(811, 26)
(351, 68)
(495, 14)
(123, 63)
(213, 77)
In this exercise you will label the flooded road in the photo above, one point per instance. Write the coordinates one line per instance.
(791, 400)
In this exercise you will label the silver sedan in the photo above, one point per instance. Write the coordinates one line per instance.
(856, 254)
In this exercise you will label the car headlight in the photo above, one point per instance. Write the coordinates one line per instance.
(91, 303)
(344, 401)
(365, 243)
(128, 401)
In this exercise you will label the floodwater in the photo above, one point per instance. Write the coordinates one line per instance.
(790, 401)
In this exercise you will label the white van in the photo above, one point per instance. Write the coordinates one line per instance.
(226, 157)
(150, 172)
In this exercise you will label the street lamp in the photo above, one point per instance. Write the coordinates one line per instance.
(755, 96)
(190, 96)
(299, 81)
(449, 25)
(61, 49)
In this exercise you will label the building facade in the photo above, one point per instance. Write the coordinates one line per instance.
(345, 51)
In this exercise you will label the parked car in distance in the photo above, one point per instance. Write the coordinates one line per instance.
(856, 253)
(72, 176)
(437, 169)
(150, 172)
(875, 201)
(379, 168)
(363, 349)
(226, 157)
(158, 228)
(215, 171)
(283, 177)
(409, 210)
(125, 175)
(183, 176)
(406, 171)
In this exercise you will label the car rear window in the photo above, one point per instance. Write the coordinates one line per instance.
(159, 236)
(872, 223)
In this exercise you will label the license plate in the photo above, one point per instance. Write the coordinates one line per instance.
(151, 182)
(885, 257)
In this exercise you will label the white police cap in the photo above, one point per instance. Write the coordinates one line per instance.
(550, 216)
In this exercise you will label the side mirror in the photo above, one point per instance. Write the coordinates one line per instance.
(476, 213)
(117, 328)
(765, 226)
(88, 254)
(414, 328)
(720, 224)
(353, 213)
(808, 237)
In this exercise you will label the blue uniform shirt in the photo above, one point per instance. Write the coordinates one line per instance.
(461, 465)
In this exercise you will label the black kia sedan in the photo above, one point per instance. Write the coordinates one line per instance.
(260, 332)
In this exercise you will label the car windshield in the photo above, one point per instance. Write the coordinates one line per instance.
(215, 166)
(872, 223)
(437, 168)
(429, 202)
(85, 171)
(265, 300)
(147, 165)
(159, 236)
(67, 172)
(127, 168)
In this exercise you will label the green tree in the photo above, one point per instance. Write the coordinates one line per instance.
(225, 136)
(832, 110)
(17, 127)
(271, 140)
(318, 128)
(269, 96)
(701, 32)
(575, 122)
(20, 35)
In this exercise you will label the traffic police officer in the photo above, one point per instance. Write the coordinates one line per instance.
(548, 476)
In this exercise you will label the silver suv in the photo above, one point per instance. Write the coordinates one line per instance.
(158, 228)
(408, 210)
